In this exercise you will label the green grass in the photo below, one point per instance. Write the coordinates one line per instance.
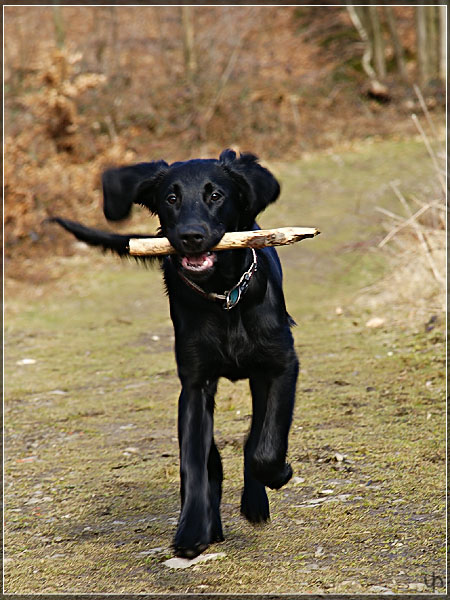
(91, 457)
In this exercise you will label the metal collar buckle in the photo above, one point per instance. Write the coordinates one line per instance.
(233, 296)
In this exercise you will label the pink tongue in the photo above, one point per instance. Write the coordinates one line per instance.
(197, 261)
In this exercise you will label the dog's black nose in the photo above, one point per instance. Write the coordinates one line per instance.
(192, 239)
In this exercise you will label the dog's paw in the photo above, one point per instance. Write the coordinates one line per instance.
(272, 474)
(255, 505)
(217, 537)
(216, 529)
(188, 551)
(190, 540)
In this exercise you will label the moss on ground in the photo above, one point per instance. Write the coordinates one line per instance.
(91, 457)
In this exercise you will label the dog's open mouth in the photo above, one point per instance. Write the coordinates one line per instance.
(198, 263)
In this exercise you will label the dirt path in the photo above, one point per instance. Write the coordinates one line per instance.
(91, 458)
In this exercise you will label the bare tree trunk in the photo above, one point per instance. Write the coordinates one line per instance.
(377, 42)
(422, 57)
(58, 22)
(432, 41)
(209, 112)
(112, 67)
(396, 42)
(17, 76)
(190, 60)
(443, 43)
(358, 21)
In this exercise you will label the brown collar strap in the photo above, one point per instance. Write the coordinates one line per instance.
(229, 298)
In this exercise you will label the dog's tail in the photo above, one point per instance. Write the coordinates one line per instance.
(114, 242)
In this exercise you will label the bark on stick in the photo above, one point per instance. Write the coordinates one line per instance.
(237, 239)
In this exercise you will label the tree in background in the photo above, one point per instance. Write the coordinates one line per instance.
(396, 42)
(431, 23)
(88, 87)
(377, 25)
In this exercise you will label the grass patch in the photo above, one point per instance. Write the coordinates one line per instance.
(91, 457)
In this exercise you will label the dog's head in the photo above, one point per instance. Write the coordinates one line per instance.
(197, 201)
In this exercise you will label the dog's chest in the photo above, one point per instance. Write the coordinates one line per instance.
(238, 345)
(237, 342)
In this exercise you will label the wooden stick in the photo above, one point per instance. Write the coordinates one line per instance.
(236, 239)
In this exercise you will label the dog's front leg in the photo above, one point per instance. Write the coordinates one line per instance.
(195, 432)
(268, 463)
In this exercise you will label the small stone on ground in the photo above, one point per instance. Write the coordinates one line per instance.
(184, 563)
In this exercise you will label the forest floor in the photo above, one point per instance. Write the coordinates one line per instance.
(91, 456)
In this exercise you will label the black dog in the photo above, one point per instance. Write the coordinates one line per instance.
(230, 320)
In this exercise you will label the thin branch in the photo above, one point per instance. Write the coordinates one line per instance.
(420, 234)
(437, 204)
(406, 223)
(388, 213)
(439, 214)
(430, 151)
(425, 110)
(109, 122)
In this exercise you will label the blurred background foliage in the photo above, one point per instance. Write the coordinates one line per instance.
(89, 87)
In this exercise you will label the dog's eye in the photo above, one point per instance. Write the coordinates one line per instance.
(216, 196)
(171, 198)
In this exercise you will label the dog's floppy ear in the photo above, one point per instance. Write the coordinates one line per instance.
(258, 186)
(123, 186)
